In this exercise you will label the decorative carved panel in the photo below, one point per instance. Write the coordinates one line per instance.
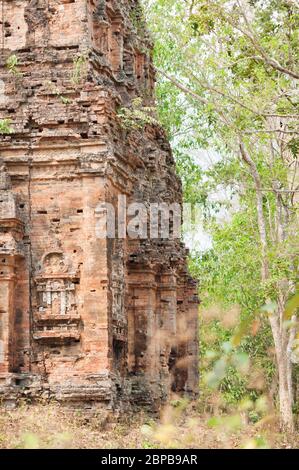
(56, 310)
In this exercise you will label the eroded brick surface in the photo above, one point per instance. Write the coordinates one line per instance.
(85, 319)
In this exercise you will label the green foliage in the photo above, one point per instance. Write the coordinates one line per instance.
(12, 64)
(5, 126)
(64, 99)
(53, 89)
(292, 305)
(137, 18)
(192, 178)
(211, 50)
(228, 75)
(202, 22)
(293, 145)
(230, 273)
(238, 372)
(137, 116)
(79, 69)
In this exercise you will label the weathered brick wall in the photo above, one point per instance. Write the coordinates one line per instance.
(84, 318)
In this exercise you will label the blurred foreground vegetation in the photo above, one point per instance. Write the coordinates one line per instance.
(182, 425)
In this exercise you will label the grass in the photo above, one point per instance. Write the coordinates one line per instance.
(180, 426)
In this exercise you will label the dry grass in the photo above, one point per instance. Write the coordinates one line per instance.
(53, 426)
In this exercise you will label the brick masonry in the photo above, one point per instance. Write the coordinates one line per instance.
(83, 319)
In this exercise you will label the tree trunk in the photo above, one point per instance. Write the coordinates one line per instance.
(280, 335)
(285, 395)
(284, 368)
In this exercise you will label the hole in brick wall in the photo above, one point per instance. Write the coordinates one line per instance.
(84, 135)
(172, 358)
(3, 261)
(92, 290)
(42, 212)
(60, 48)
(21, 206)
(18, 316)
(75, 251)
(79, 211)
(55, 220)
(56, 352)
(118, 349)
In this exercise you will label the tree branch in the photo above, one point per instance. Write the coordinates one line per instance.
(263, 54)
(259, 205)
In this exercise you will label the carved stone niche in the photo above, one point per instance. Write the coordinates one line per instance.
(118, 304)
(119, 322)
(116, 44)
(139, 64)
(56, 310)
(128, 59)
(99, 27)
(57, 297)
(100, 36)
(118, 284)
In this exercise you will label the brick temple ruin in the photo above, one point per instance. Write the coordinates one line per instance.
(82, 318)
